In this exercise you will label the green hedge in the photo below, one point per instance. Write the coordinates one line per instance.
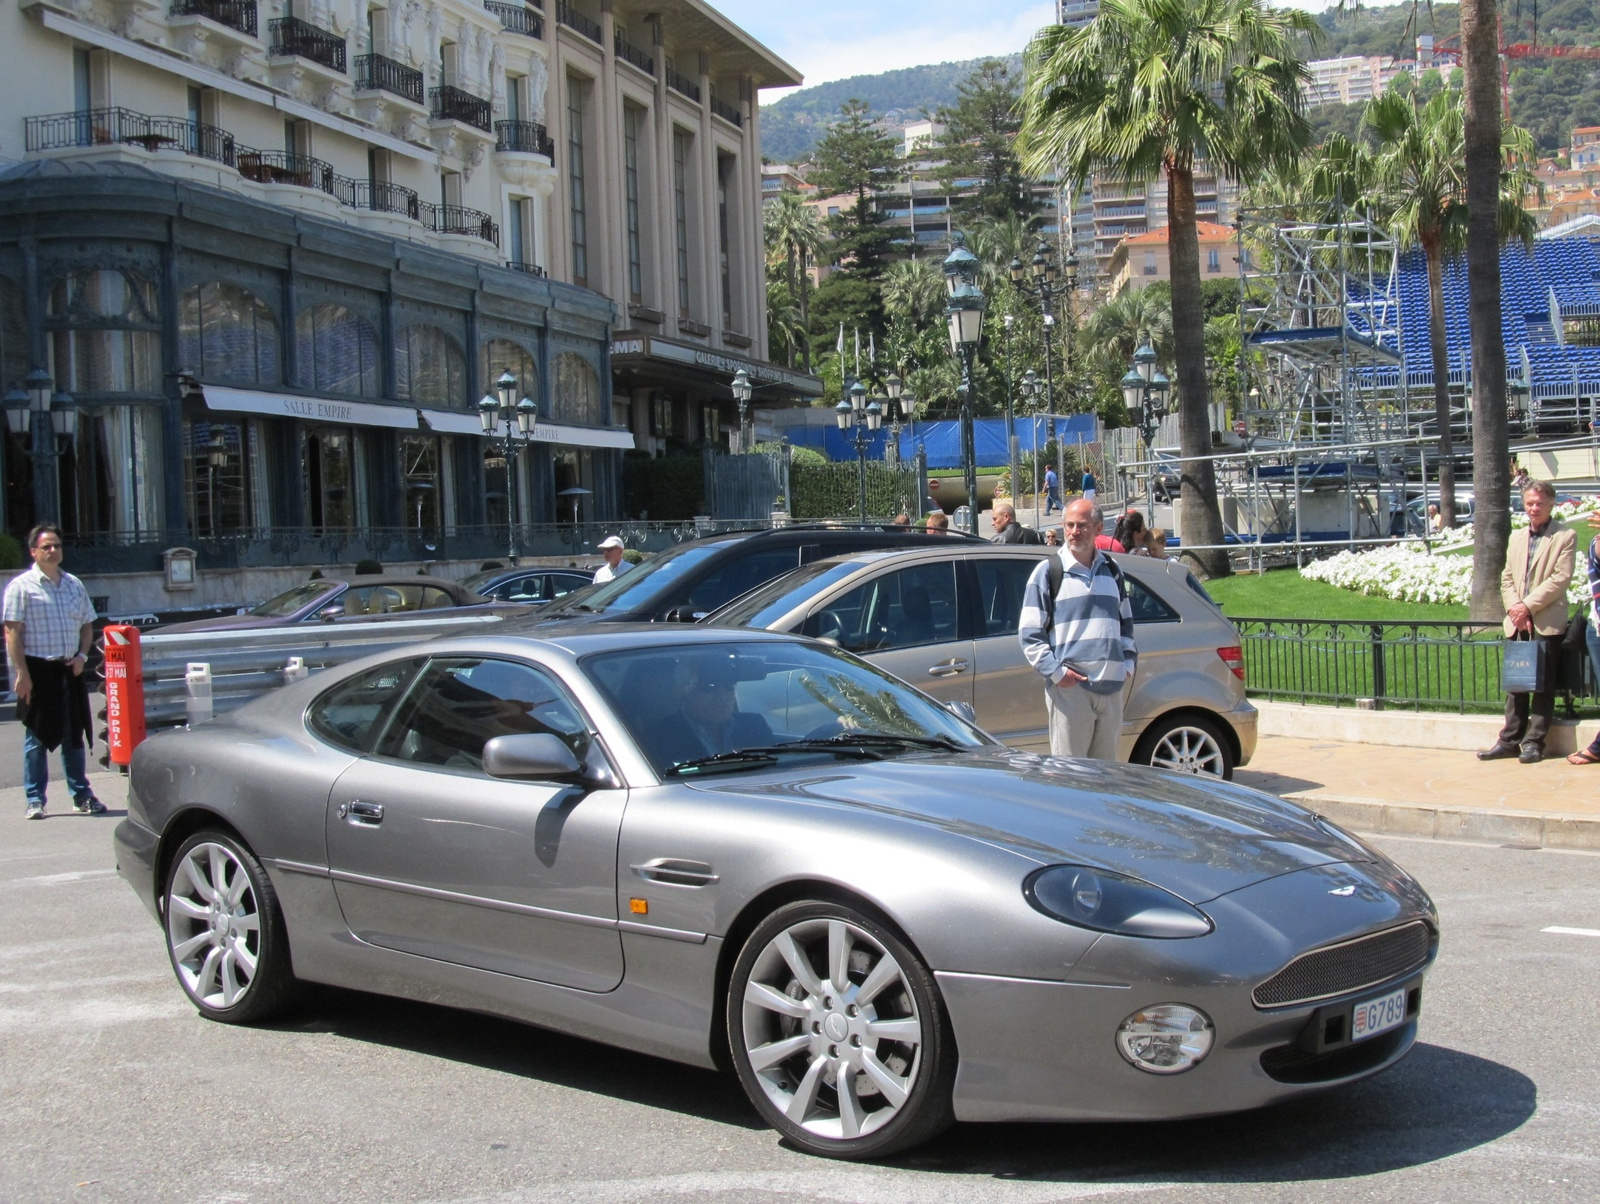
(834, 491)
(668, 489)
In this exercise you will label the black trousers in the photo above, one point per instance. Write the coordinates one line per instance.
(1529, 716)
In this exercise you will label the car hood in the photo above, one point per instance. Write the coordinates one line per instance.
(1197, 838)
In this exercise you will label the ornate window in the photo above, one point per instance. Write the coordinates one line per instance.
(429, 367)
(227, 334)
(223, 476)
(105, 334)
(420, 478)
(112, 474)
(577, 397)
(504, 355)
(337, 352)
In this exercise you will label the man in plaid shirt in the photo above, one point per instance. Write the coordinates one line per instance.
(49, 628)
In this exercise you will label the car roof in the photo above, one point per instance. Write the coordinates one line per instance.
(580, 639)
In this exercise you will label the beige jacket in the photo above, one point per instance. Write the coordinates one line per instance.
(1542, 586)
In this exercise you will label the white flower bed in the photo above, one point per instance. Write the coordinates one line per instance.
(1409, 573)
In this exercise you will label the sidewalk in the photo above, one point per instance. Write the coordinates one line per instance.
(1432, 792)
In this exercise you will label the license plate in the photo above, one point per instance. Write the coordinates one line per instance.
(1378, 1015)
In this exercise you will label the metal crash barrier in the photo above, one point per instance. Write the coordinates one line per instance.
(155, 680)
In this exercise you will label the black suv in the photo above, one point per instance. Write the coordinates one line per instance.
(695, 578)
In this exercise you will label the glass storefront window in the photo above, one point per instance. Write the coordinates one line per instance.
(111, 473)
(505, 355)
(226, 333)
(577, 399)
(419, 475)
(337, 352)
(429, 367)
(218, 472)
(328, 468)
(104, 334)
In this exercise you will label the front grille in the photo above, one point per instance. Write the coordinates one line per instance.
(1340, 969)
(1290, 1064)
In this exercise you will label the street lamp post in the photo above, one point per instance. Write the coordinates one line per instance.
(964, 313)
(742, 390)
(854, 410)
(49, 415)
(504, 418)
(1039, 282)
(1144, 392)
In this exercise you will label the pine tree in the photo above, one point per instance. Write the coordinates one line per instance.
(977, 144)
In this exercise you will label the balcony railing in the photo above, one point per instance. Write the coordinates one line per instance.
(517, 18)
(235, 14)
(292, 36)
(726, 111)
(629, 52)
(524, 137)
(106, 127)
(376, 73)
(683, 84)
(452, 104)
(282, 167)
(532, 269)
(387, 198)
(454, 219)
(573, 19)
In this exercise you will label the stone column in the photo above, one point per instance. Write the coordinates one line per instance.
(710, 243)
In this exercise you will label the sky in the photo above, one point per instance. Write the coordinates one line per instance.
(835, 39)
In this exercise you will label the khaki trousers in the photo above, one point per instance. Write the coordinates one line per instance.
(1083, 724)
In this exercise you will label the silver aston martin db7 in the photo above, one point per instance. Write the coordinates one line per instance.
(753, 850)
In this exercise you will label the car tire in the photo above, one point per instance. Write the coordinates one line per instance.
(226, 937)
(1186, 743)
(796, 1033)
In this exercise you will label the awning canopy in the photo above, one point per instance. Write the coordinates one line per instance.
(395, 417)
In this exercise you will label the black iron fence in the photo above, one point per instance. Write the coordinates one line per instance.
(573, 19)
(292, 36)
(628, 52)
(235, 14)
(524, 137)
(727, 111)
(1418, 664)
(378, 73)
(683, 85)
(517, 18)
(454, 104)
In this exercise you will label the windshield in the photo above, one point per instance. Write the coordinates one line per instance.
(477, 581)
(292, 600)
(768, 603)
(731, 706)
(636, 588)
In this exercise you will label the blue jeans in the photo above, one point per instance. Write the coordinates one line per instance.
(1052, 499)
(36, 770)
(1593, 640)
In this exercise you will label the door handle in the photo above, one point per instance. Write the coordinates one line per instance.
(676, 872)
(362, 813)
(949, 668)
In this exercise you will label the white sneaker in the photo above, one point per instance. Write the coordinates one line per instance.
(34, 811)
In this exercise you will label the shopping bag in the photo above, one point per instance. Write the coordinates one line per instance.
(1524, 667)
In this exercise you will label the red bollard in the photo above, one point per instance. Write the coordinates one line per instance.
(124, 692)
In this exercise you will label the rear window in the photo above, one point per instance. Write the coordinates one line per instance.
(1193, 583)
(770, 602)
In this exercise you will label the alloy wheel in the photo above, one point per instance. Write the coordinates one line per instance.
(1186, 749)
(831, 1029)
(213, 925)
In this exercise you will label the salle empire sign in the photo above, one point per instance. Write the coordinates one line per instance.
(321, 411)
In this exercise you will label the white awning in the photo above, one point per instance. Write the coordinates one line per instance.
(311, 409)
(452, 422)
(449, 422)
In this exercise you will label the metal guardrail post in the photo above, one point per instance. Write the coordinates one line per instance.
(1380, 674)
(197, 686)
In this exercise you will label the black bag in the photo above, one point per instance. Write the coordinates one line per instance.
(1525, 667)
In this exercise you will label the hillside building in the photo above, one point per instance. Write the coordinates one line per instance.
(778, 178)
(1121, 211)
(1585, 148)
(1349, 80)
(1076, 13)
(1140, 260)
(272, 259)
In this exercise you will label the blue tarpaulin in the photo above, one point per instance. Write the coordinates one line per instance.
(943, 439)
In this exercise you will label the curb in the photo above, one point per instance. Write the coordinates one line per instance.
(1530, 829)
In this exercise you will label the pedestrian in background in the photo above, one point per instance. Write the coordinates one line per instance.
(1591, 637)
(615, 566)
(1052, 538)
(1090, 488)
(938, 523)
(49, 630)
(1076, 629)
(1533, 586)
(1052, 490)
(1130, 533)
(1007, 529)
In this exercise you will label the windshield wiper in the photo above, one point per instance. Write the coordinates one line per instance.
(886, 739)
(865, 745)
(726, 760)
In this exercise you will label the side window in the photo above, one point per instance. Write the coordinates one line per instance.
(738, 575)
(1002, 585)
(522, 589)
(461, 703)
(433, 598)
(1147, 608)
(898, 610)
(348, 715)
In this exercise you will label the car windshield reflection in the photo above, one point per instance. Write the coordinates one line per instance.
(698, 709)
(766, 604)
(290, 601)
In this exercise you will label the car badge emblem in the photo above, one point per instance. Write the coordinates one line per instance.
(1344, 892)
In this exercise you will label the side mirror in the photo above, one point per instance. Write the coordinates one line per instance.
(535, 756)
(963, 710)
(684, 614)
(329, 613)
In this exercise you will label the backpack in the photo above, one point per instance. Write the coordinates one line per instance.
(1056, 572)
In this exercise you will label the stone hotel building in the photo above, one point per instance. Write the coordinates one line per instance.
(259, 259)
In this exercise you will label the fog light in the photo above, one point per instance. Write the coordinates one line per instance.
(1168, 1038)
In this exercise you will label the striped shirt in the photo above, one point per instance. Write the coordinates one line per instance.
(51, 614)
(1594, 583)
(1092, 628)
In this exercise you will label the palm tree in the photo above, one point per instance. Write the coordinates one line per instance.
(913, 290)
(1114, 331)
(794, 236)
(1418, 177)
(1151, 87)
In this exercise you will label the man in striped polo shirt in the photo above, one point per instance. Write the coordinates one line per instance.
(1080, 640)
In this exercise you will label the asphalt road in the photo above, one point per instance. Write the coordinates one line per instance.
(115, 1089)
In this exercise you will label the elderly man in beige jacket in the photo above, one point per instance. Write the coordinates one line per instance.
(1539, 561)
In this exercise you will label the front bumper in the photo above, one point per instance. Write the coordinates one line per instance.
(134, 847)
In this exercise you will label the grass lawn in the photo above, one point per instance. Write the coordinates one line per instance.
(1285, 594)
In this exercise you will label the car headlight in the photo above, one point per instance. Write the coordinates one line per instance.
(1107, 902)
(1168, 1038)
